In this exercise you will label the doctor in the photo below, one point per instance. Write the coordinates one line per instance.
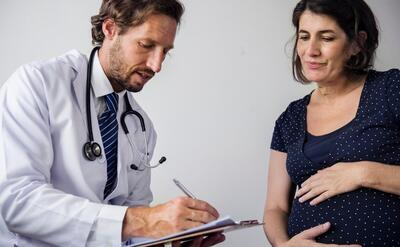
(71, 175)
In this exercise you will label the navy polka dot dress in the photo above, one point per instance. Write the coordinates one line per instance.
(365, 216)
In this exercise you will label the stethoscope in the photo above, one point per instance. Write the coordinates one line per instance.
(91, 149)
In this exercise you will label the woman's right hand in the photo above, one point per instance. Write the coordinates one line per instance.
(307, 238)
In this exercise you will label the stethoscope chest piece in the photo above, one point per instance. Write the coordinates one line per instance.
(91, 150)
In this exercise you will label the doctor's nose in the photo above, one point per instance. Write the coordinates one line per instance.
(155, 61)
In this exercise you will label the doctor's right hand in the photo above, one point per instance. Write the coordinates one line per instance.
(306, 238)
(171, 217)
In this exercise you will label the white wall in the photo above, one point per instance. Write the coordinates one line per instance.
(215, 103)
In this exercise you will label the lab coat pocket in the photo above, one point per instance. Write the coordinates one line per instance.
(139, 192)
(138, 182)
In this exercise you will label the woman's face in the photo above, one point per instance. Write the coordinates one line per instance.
(323, 48)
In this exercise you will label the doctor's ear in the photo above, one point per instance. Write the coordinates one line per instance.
(110, 28)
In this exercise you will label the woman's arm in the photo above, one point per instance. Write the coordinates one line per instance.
(344, 177)
(381, 177)
(277, 204)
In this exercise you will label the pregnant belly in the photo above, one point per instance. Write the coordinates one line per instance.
(367, 217)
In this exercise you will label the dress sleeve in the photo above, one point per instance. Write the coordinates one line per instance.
(393, 93)
(278, 142)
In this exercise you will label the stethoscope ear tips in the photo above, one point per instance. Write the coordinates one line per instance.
(162, 160)
(136, 168)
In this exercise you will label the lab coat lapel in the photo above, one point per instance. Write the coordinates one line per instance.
(79, 86)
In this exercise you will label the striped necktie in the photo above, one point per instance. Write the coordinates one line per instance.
(109, 134)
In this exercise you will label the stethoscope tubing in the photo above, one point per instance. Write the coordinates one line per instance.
(92, 149)
(88, 83)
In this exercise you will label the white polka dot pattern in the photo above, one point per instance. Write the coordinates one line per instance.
(364, 216)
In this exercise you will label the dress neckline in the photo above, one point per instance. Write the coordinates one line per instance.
(360, 105)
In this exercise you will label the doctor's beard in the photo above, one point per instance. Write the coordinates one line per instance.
(119, 72)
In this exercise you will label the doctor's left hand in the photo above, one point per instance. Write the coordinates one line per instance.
(171, 217)
(337, 179)
(202, 241)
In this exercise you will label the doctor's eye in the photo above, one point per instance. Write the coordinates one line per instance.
(145, 45)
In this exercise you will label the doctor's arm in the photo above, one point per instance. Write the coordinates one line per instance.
(174, 216)
(29, 204)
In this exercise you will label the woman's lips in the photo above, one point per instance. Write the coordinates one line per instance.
(314, 65)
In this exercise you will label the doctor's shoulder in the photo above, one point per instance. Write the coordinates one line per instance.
(50, 70)
(40, 84)
(61, 68)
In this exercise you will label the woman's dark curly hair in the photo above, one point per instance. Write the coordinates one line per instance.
(131, 13)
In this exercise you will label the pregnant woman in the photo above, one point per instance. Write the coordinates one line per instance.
(334, 170)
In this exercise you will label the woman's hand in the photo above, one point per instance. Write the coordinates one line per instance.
(337, 179)
(306, 238)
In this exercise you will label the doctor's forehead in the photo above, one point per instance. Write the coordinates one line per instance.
(159, 29)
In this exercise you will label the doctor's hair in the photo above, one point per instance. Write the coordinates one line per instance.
(352, 16)
(131, 13)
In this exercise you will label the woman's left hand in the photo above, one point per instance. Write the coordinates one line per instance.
(337, 179)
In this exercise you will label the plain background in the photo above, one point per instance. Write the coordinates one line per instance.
(215, 102)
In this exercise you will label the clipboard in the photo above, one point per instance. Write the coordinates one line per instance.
(225, 224)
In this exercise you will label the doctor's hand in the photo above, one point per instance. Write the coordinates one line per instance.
(171, 217)
(201, 241)
(337, 179)
(306, 238)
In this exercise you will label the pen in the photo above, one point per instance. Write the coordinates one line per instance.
(183, 188)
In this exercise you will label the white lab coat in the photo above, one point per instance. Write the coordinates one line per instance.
(50, 195)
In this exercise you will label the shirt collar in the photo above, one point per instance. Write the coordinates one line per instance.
(100, 83)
